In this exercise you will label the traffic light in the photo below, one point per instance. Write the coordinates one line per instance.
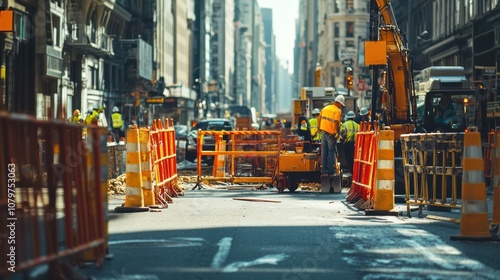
(349, 78)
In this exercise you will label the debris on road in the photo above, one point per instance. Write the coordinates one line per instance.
(257, 200)
(117, 186)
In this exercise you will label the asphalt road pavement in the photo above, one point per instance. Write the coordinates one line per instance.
(209, 234)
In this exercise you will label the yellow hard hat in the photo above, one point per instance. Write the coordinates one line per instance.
(76, 112)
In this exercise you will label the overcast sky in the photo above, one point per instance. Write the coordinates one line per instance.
(285, 12)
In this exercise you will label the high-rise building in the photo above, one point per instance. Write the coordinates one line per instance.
(222, 51)
(270, 51)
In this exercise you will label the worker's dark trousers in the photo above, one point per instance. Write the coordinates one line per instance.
(117, 134)
(349, 155)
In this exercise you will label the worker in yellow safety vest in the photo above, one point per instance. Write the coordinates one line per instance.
(313, 125)
(329, 124)
(91, 119)
(348, 132)
(76, 118)
(117, 122)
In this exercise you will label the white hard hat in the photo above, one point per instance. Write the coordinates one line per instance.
(115, 109)
(363, 111)
(340, 99)
(316, 111)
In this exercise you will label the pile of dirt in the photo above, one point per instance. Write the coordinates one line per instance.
(117, 186)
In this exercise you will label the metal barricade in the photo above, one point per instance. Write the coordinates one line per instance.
(53, 198)
(251, 156)
(432, 165)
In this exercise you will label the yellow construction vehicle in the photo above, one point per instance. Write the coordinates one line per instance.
(412, 104)
(300, 160)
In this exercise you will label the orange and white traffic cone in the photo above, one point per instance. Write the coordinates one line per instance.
(474, 222)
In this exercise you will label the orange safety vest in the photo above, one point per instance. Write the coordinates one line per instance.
(328, 115)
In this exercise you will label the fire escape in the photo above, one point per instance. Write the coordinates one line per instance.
(85, 36)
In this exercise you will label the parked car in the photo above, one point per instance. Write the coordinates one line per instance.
(181, 132)
(208, 141)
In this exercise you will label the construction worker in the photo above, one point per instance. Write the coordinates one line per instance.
(313, 124)
(76, 118)
(329, 124)
(117, 122)
(362, 116)
(92, 117)
(348, 132)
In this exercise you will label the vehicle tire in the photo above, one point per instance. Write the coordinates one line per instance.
(281, 183)
(190, 156)
(292, 183)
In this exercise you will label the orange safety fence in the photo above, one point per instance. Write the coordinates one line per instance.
(363, 166)
(52, 195)
(164, 159)
(151, 176)
(249, 156)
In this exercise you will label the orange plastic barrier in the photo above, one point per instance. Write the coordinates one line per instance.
(384, 175)
(134, 181)
(165, 160)
(474, 223)
(53, 207)
(363, 167)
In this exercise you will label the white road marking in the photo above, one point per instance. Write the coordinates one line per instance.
(267, 259)
(174, 242)
(223, 252)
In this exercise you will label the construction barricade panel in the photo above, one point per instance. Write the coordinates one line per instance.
(55, 203)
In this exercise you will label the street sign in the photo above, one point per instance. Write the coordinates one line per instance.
(347, 53)
(347, 62)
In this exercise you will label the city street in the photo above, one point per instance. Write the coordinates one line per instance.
(210, 234)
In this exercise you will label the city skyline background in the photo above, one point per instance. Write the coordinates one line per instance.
(285, 14)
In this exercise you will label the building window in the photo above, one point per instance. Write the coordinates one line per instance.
(336, 51)
(349, 44)
(20, 22)
(94, 77)
(56, 31)
(336, 30)
(336, 5)
(349, 5)
(349, 30)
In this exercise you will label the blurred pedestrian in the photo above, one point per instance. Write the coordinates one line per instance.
(329, 124)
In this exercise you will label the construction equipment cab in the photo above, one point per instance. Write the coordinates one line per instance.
(446, 101)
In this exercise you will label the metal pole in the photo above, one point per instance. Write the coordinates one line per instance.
(374, 22)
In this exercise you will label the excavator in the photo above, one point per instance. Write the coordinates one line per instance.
(408, 103)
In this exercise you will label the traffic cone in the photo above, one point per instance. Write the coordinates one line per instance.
(474, 223)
